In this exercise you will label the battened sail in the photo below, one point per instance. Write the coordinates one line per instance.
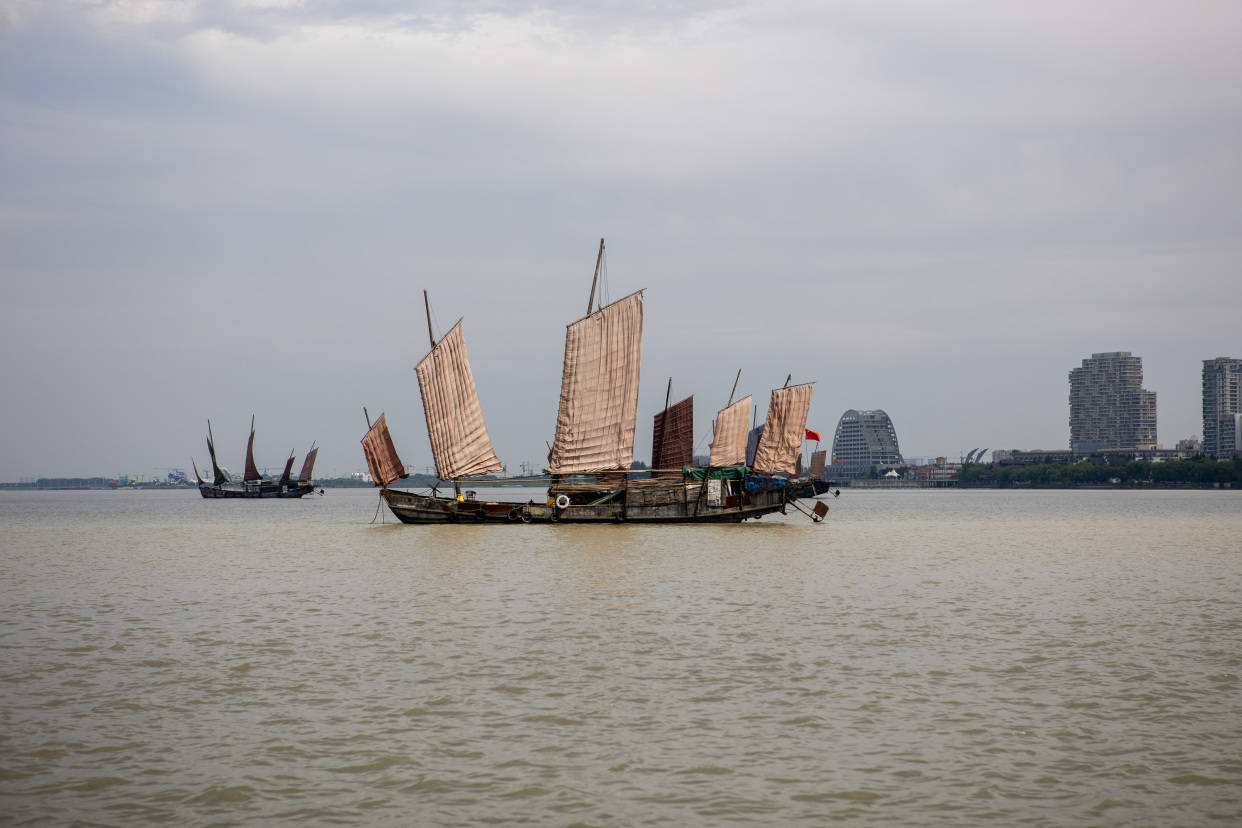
(752, 444)
(599, 390)
(819, 464)
(381, 454)
(308, 465)
(780, 443)
(460, 444)
(732, 424)
(252, 471)
(672, 436)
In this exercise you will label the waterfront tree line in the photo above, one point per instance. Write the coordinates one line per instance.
(1198, 471)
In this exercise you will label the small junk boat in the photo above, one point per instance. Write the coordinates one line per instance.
(252, 483)
(590, 459)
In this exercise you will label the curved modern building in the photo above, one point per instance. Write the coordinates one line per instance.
(864, 440)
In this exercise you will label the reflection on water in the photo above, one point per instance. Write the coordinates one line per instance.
(958, 657)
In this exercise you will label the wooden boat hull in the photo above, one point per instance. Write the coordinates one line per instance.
(256, 491)
(674, 502)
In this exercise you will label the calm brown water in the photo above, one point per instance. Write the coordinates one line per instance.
(960, 658)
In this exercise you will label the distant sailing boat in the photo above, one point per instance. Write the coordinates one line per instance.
(252, 483)
(592, 452)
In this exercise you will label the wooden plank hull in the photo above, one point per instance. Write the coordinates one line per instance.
(665, 502)
(250, 491)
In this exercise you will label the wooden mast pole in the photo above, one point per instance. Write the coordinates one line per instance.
(734, 391)
(427, 307)
(598, 260)
(659, 438)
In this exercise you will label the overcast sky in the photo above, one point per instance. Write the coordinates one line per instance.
(218, 208)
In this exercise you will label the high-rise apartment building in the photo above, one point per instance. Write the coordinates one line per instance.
(1222, 407)
(1108, 407)
(864, 439)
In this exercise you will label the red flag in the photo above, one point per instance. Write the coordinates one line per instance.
(812, 435)
(835, 460)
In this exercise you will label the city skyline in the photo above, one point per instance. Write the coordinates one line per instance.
(1218, 364)
(218, 210)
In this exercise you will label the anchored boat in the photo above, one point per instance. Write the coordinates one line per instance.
(589, 463)
(252, 483)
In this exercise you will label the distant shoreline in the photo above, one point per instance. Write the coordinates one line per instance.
(908, 485)
(855, 485)
(71, 484)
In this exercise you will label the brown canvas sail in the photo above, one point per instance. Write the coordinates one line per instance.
(381, 454)
(732, 426)
(819, 463)
(599, 390)
(284, 476)
(672, 436)
(460, 444)
(308, 465)
(780, 444)
(252, 471)
(219, 478)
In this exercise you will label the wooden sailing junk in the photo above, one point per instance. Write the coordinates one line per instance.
(253, 484)
(592, 452)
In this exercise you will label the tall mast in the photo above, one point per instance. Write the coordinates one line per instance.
(734, 391)
(427, 307)
(595, 281)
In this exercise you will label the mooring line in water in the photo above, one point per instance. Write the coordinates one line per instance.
(378, 505)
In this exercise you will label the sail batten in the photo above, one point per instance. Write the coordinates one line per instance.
(732, 426)
(598, 410)
(381, 454)
(460, 444)
(780, 442)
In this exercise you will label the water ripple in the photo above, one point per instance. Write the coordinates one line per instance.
(964, 658)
